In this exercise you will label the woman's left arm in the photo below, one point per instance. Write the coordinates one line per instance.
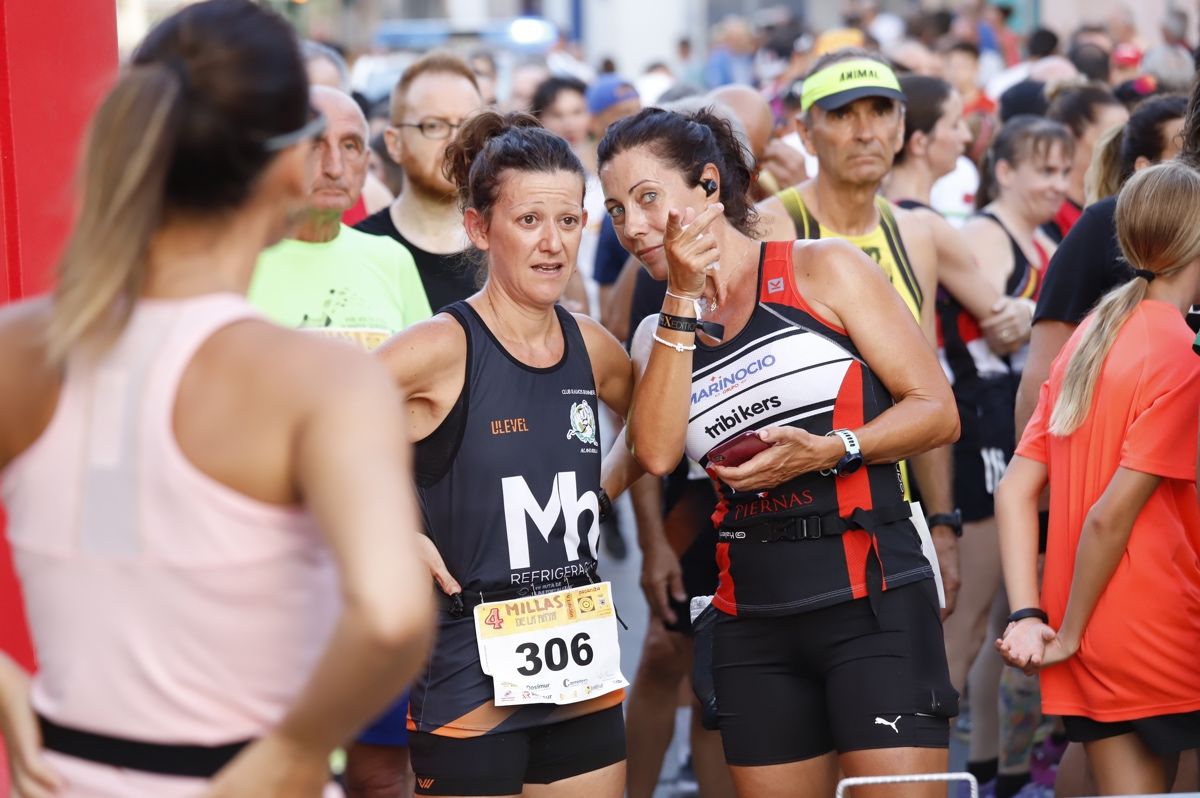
(891, 344)
(611, 369)
(1102, 543)
(613, 374)
(848, 288)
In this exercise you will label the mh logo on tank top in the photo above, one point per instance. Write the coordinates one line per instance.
(562, 510)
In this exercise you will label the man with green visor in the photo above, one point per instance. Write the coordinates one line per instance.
(852, 120)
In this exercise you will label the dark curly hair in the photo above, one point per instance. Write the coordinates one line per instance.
(688, 142)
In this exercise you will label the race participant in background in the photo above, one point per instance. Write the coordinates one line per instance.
(330, 278)
(1024, 181)
(429, 104)
(1089, 111)
(343, 284)
(934, 137)
(326, 67)
(1088, 263)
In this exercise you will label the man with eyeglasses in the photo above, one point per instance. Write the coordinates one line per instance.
(432, 98)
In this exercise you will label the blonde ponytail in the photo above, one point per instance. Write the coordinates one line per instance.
(129, 150)
(1083, 369)
(1105, 172)
(1158, 235)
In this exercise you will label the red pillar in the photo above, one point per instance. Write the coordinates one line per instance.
(57, 58)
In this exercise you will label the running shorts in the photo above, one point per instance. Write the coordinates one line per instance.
(838, 678)
(985, 444)
(1162, 734)
(501, 764)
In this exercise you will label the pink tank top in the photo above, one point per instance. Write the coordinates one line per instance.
(164, 606)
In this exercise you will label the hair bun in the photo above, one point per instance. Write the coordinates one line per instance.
(473, 138)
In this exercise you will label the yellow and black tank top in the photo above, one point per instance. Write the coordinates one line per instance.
(883, 245)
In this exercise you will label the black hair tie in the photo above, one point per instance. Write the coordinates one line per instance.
(1145, 274)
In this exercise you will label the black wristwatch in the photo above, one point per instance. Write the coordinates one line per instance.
(952, 520)
(606, 508)
(852, 460)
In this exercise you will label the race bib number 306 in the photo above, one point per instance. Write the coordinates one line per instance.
(556, 648)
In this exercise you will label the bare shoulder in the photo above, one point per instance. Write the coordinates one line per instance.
(28, 382)
(836, 278)
(832, 261)
(774, 222)
(917, 226)
(981, 229)
(23, 328)
(24, 367)
(926, 217)
(291, 367)
(597, 336)
(427, 348)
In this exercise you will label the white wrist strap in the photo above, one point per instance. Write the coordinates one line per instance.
(675, 346)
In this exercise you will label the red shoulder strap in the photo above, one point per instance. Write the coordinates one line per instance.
(778, 284)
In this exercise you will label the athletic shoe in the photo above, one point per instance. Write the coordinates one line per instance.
(1043, 767)
(1035, 790)
(986, 790)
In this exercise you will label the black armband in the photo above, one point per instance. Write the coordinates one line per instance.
(670, 321)
(1029, 612)
(952, 520)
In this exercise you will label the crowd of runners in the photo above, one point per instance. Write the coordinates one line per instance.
(883, 329)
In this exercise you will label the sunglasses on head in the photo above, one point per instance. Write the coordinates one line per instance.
(312, 129)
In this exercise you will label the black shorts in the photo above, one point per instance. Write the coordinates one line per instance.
(1162, 734)
(985, 444)
(834, 679)
(501, 764)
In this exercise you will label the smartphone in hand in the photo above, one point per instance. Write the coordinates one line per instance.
(737, 449)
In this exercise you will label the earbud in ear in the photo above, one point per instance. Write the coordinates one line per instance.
(709, 186)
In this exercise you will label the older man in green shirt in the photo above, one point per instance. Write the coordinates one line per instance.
(329, 277)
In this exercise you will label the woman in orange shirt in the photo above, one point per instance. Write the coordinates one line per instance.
(1117, 627)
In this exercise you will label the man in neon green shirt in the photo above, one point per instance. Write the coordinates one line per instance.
(329, 277)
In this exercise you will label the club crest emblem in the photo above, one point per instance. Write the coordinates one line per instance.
(583, 424)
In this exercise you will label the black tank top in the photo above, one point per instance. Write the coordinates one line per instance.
(964, 351)
(509, 486)
(511, 498)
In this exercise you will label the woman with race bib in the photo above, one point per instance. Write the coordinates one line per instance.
(826, 644)
(524, 686)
